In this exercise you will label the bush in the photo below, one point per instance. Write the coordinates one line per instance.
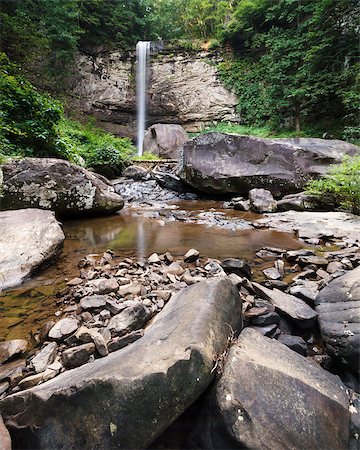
(28, 119)
(343, 183)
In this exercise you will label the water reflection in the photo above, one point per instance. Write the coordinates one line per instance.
(24, 310)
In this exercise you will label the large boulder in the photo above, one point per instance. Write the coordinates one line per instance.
(130, 397)
(338, 307)
(219, 163)
(165, 140)
(29, 240)
(58, 185)
(271, 397)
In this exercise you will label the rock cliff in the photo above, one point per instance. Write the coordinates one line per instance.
(184, 89)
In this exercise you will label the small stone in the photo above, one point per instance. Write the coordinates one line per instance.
(74, 282)
(160, 303)
(15, 347)
(130, 289)
(9, 368)
(45, 329)
(45, 357)
(261, 200)
(105, 314)
(86, 316)
(154, 259)
(322, 274)
(168, 257)
(237, 266)
(130, 319)
(163, 294)
(105, 333)
(120, 342)
(63, 328)
(174, 269)
(77, 356)
(334, 266)
(34, 380)
(114, 306)
(280, 267)
(94, 301)
(272, 273)
(122, 281)
(147, 302)
(103, 285)
(254, 312)
(191, 255)
(295, 254)
(213, 267)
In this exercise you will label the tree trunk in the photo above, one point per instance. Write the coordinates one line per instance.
(297, 117)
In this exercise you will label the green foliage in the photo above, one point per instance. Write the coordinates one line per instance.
(28, 119)
(343, 183)
(146, 156)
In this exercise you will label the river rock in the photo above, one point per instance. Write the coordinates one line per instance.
(218, 163)
(237, 266)
(95, 301)
(137, 173)
(191, 255)
(261, 200)
(63, 328)
(15, 347)
(143, 387)
(164, 140)
(58, 185)
(77, 356)
(293, 307)
(338, 306)
(103, 286)
(130, 319)
(264, 382)
(5, 439)
(45, 357)
(29, 240)
(119, 342)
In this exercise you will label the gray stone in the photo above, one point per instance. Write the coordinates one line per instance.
(10, 368)
(63, 328)
(154, 259)
(237, 266)
(191, 255)
(266, 330)
(130, 319)
(103, 286)
(122, 341)
(34, 380)
(338, 306)
(269, 318)
(136, 173)
(57, 185)
(9, 349)
(264, 382)
(164, 140)
(293, 307)
(218, 163)
(307, 290)
(30, 239)
(87, 335)
(77, 356)
(261, 200)
(143, 387)
(272, 273)
(174, 269)
(94, 301)
(5, 439)
(295, 343)
(130, 289)
(45, 357)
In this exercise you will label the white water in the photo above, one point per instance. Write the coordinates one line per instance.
(142, 58)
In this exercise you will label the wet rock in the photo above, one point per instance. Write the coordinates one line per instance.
(295, 343)
(130, 319)
(165, 140)
(136, 173)
(261, 200)
(30, 240)
(293, 307)
(94, 301)
(167, 369)
(103, 286)
(237, 266)
(338, 306)
(45, 357)
(222, 163)
(57, 185)
(191, 255)
(77, 356)
(9, 349)
(120, 342)
(5, 439)
(63, 328)
(291, 394)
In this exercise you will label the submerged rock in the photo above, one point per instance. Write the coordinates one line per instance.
(29, 240)
(58, 185)
(130, 397)
(271, 397)
(338, 306)
(218, 163)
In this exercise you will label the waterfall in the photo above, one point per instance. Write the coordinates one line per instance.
(142, 58)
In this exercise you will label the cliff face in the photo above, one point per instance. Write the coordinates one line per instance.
(183, 89)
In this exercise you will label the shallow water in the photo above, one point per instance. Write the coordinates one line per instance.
(128, 234)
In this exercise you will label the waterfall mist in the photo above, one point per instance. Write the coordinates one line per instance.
(142, 59)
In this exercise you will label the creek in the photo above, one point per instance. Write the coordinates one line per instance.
(131, 234)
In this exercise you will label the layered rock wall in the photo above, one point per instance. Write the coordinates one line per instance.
(184, 88)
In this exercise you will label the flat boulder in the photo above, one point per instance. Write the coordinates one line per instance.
(271, 397)
(57, 185)
(219, 163)
(165, 140)
(127, 399)
(30, 239)
(338, 308)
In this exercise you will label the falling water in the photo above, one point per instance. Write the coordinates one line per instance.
(142, 57)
